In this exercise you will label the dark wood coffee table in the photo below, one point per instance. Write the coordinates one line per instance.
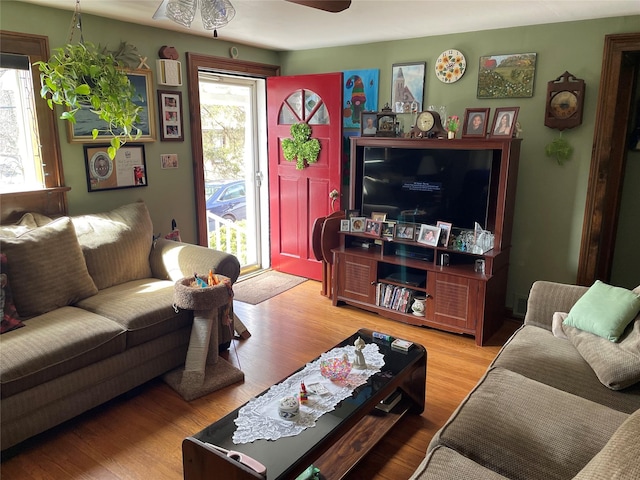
(340, 438)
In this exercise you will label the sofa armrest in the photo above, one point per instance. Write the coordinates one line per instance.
(171, 260)
(546, 298)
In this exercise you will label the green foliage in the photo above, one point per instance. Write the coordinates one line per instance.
(223, 134)
(559, 149)
(300, 147)
(218, 240)
(82, 75)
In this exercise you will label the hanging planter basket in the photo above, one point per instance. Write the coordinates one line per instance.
(559, 149)
(301, 148)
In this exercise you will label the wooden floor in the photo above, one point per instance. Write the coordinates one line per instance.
(139, 435)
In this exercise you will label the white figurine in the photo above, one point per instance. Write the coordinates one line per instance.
(358, 361)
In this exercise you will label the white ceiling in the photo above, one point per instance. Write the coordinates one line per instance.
(280, 25)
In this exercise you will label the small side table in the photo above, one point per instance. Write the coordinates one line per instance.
(204, 370)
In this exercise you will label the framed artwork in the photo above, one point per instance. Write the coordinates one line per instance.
(360, 93)
(358, 224)
(170, 108)
(378, 216)
(345, 225)
(407, 87)
(404, 231)
(507, 76)
(127, 170)
(475, 122)
(373, 228)
(369, 124)
(169, 160)
(142, 81)
(349, 214)
(504, 122)
(429, 235)
(445, 233)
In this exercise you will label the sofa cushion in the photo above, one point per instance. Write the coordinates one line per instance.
(442, 463)
(116, 244)
(532, 428)
(618, 460)
(46, 268)
(535, 353)
(604, 310)
(54, 344)
(617, 365)
(142, 307)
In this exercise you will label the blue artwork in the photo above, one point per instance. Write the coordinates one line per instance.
(360, 95)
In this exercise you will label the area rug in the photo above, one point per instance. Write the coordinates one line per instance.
(263, 286)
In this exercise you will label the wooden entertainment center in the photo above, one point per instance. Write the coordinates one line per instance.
(458, 299)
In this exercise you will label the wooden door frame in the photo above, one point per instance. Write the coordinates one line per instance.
(608, 158)
(195, 63)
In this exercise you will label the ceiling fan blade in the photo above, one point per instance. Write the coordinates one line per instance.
(161, 12)
(333, 6)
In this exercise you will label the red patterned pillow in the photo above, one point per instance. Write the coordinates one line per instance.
(10, 318)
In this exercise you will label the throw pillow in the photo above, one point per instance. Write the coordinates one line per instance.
(10, 318)
(116, 244)
(618, 459)
(617, 365)
(556, 324)
(604, 310)
(46, 268)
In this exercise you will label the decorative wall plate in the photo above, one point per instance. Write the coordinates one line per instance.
(450, 66)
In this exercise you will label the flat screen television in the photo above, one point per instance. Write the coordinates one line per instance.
(429, 185)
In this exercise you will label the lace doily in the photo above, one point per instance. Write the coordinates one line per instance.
(259, 418)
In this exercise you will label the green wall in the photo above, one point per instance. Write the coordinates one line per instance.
(170, 193)
(550, 198)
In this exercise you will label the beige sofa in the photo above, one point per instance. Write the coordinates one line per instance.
(541, 411)
(95, 295)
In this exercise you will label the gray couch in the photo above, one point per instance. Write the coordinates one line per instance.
(540, 411)
(95, 295)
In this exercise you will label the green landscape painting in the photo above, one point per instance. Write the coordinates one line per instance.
(507, 76)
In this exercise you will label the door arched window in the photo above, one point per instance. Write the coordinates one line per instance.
(303, 106)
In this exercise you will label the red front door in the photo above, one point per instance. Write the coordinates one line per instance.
(297, 197)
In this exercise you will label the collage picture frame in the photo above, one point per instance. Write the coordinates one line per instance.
(170, 114)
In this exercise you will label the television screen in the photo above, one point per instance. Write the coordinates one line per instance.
(427, 185)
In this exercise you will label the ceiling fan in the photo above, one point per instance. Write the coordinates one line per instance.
(333, 6)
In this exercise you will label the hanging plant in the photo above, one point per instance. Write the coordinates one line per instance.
(559, 149)
(301, 148)
(86, 76)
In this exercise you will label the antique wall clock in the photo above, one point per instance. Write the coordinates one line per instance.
(565, 102)
(428, 125)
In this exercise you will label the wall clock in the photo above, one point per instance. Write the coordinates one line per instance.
(450, 66)
(428, 125)
(564, 103)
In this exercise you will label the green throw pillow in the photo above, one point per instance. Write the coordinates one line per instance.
(604, 310)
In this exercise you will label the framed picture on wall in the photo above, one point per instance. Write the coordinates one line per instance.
(127, 170)
(407, 87)
(142, 81)
(170, 108)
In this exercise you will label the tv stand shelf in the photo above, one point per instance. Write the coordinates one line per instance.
(458, 299)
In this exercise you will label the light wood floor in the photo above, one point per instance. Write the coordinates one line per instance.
(139, 435)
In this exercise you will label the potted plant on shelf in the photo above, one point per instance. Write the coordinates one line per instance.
(85, 76)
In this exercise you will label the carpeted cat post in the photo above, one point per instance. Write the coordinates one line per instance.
(204, 371)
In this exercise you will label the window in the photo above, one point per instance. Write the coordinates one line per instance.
(29, 143)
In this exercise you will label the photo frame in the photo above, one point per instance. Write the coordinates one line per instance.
(504, 122)
(373, 228)
(475, 122)
(345, 225)
(358, 224)
(378, 216)
(507, 76)
(404, 231)
(368, 124)
(387, 229)
(142, 81)
(445, 233)
(407, 86)
(429, 235)
(127, 170)
(170, 113)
